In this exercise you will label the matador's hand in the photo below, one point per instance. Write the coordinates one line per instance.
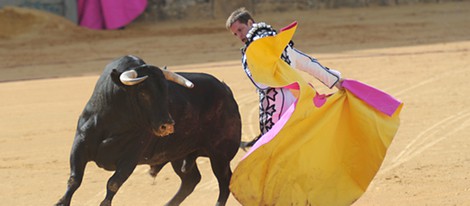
(339, 84)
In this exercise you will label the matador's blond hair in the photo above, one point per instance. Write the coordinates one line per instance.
(241, 14)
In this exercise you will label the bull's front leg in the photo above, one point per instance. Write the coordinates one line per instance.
(122, 173)
(77, 167)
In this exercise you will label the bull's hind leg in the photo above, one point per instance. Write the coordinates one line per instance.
(77, 167)
(222, 171)
(190, 176)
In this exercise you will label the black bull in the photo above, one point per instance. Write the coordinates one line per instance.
(136, 116)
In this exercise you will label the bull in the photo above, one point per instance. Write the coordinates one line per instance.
(141, 114)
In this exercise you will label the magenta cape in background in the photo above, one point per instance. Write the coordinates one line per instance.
(109, 14)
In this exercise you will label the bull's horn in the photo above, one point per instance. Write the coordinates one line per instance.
(177, 78)
(130, 78)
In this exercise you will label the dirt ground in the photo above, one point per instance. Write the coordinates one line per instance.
(418, 53)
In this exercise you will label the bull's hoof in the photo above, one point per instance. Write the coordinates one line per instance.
(61, 203)
(106, 203)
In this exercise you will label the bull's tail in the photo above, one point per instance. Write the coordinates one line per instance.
(245, 145)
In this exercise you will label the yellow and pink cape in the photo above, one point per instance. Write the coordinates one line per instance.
(320, 152)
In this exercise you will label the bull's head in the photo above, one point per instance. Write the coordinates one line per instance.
(147, 89)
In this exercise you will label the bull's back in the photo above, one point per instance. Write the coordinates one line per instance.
(206, 115)
(209, 94)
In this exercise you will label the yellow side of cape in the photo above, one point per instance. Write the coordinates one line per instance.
(322, 156)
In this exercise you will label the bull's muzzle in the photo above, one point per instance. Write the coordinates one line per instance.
(164, 130)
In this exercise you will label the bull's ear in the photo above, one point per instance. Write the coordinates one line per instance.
(115, 78)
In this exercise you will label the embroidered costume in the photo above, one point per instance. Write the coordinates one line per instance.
(275, 101)
(324, 150)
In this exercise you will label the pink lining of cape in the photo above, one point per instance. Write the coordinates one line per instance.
(372, 96)
(268, 136)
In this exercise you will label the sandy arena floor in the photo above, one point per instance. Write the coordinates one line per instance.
(418, 53)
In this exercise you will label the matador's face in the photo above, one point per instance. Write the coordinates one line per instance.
(240, 30)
